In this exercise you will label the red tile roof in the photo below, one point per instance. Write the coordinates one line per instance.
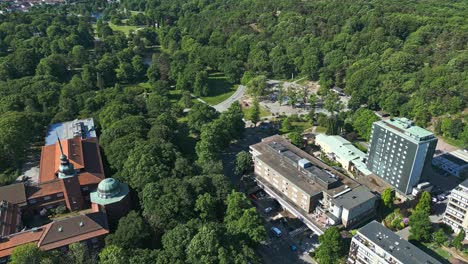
(75, 229)
(85, 156)
(44, 189)
(9, 243)
(47, 237)
(50, 157)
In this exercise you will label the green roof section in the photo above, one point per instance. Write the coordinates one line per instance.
(346, 151)
(404, 126)
(109, 191)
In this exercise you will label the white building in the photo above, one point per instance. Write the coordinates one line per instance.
(456, 213)
(375, 243)
(344, 152)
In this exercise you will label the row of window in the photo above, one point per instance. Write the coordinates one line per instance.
(45, 198)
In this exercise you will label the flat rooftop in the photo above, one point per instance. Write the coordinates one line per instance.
(399, 248)
(405, 127)
(284, 158)
(354, 197)
(70, 129)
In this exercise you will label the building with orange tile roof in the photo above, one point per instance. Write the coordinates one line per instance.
(70, 172)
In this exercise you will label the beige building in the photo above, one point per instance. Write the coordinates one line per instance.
(456, 213)
(308, 188)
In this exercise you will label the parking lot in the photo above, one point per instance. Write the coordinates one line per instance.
(295, 240)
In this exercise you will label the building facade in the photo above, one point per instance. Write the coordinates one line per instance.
(375, 243)
(400, 152)
(456, 213)
(305, 186)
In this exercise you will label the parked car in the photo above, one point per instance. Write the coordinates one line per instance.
(276, 231)
(434, 200)
(441, 197)
(293, 248)
(268, 210)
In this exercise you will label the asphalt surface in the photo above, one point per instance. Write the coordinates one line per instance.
(224, 105)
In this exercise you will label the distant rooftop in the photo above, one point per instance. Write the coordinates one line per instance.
(406, 128)
(399, 248)
(70, 129)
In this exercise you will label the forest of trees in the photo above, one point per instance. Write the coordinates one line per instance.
(58, 63)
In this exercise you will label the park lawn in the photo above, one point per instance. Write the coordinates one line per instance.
(299, 127)
(263, 112)
(219, 89)
(123, 28)
(435, 251)
(320, 129)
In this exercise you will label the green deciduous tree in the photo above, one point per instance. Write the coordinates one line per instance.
(26, 254)
(113, 255)
(388, 196)
(206, 206)
(362, 122)
(332, 247)
(257, 86)
(132, 232)
(199, 115)
(424, 203)
(458, 241)
(243, 162)
(439, 236)
(255, 112)
(295, 138)
(420, 226)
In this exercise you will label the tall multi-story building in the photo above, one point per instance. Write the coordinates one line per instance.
(456, 213)
(309, 189)
(375, 243)
(400, 152)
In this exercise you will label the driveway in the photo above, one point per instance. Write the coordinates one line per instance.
(224, 105)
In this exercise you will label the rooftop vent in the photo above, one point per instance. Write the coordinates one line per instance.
(81, 224)
(60, 229)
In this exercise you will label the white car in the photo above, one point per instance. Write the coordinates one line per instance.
(267, 210)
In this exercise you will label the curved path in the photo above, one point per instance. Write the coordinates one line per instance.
(224, 105)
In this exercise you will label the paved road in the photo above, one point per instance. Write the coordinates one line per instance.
(224, 105)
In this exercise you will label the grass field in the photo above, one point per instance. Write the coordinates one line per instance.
(299, 127)
(320, 129)
(123, 28)
(263, 112)
(435, 251)
(219, 89)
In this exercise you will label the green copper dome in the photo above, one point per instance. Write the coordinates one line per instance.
(108, 188)
(66, 169)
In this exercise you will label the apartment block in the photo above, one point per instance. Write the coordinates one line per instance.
(305, 186)
(400, 153)
(375, 243)
(456, 213)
